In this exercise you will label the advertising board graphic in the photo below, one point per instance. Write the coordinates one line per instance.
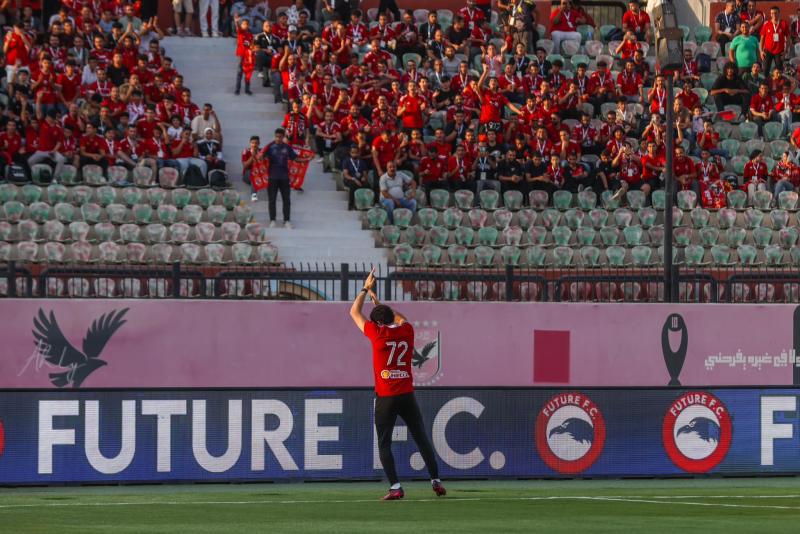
(81, 343)
(249, 435)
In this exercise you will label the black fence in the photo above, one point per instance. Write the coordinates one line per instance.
(341, 283)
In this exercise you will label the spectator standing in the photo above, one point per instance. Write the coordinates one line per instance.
(205, 6)
(744, 48)
(278, 153)
(637, 22)
(250, 156)
(774, 36)
(727, 24)
(183, 7)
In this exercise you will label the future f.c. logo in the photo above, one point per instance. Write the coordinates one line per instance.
(697, 432)
(570, 433)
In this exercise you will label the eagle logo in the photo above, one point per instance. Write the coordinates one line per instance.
(54, 348)
(420, 358)
(427, 361)
(577, 429)
(705, 428)
(697, 431)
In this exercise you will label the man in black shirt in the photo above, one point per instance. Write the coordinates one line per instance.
(536, 176)
(576, 176)
(457, 36)
(457, 130)
(268, 44)
(510, 174)
(485, 167)
(443, 97)
(428, 29)
(729, 89)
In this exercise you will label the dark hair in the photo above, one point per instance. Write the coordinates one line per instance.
(280, 131)
(382, 314)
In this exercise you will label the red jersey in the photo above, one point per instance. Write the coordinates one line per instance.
(636, 22)
(492, 105)
(774, 36)
(629, 83)
(392, 352)
(707, 171)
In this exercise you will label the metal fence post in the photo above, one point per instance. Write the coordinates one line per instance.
(387, 286)
(12, 279)
(344, 277)
(176, 280)
(509, 283)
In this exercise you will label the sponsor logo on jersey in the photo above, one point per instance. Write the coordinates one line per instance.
(393, 374)
(697, 431)
(427, 359)
(570, 432)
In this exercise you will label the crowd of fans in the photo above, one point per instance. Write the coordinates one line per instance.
(376, 98)
(92, 85)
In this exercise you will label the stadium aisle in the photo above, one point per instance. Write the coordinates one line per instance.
(324, 231)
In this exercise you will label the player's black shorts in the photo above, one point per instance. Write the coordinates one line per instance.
(388, 408)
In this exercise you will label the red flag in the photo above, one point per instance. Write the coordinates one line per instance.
(259, 174)
(297, 170)
(551, 356)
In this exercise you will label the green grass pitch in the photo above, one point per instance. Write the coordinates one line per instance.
(630, 506)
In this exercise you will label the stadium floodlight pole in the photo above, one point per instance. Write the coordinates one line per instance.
(669, 52)
(669, 187)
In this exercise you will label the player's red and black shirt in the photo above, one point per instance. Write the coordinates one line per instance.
(392, 352)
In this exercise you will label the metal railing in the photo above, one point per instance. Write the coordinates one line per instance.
(341, 282)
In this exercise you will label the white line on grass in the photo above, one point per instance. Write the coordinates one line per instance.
(612, 498)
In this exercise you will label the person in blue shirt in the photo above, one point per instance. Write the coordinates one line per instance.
(279, 153)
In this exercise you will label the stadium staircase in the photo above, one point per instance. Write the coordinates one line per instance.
(324, 231)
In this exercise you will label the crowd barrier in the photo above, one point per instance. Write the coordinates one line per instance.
(252, 435)
(74, 343)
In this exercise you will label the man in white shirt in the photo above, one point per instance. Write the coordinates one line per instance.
(397, 191)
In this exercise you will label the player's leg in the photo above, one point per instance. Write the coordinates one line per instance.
(385, 418)
(409, 411)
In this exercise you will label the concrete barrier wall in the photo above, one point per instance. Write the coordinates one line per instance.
(205, 344)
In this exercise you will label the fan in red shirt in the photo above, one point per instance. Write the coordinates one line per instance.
(629, 83)
(762, 106)
(687, 97)
(11, 144)
(392, 339)
(774, 36)
(755, 174)
(492, 101)
(48, 144)
(706, 169)
(410, 108)
(384, 150)
(431, 173)
(637, 21)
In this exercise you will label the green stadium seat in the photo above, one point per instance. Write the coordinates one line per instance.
(54, 251)
(610, 200)
(561, 235)
(633, 235)
(376, 217)
(687, 199)
(431, 254)
(512, 235)
(537, 235)
(709, 235)
(762, 200)
(415, 235)
(762, 236)
(577, 59)
(403, 254)
(538, 199)
(439, 199)
(535, 256)
(512, 200)
(502, 218)
(593, 48)
(774, 255)
(787, 237)
(550, 218)
(157, 233)
(427, 217)
(526, 217)
(721, 254)
(64, 212)
(178, 233)
(215, 252)
(217, 214)
(487, 236)
(574, 218)
(590, 256)
(726, 217)
(167, 213)
(753, 218)
(510, 254)
(683, 236)
(656, 235)
(609, 235)
(93, 175)
(192, 214)
(242, 252)
(585, 235)
(109, 252)
(205, 197)
(489, 199)
(779, 218)
(737, 199)
(747, 254)
(693, 255)
(484, 256)
(142, 213)
(623, 217)
(411, 56)
(118, 175)
(587, 199)
(477, 217)
(605, 29)
(230, 197)
(91, 212)
(700, 217)
(641, 255)
(457, 255)
(731, 146)
(464, 235)
(31, 193)
(230, 231)
(181, 197)
(598, 217)
(267, 253)
(452, 217)
(465, 199)
(142, 176)
(773, 131)
(778, 147)
(104, 231)
(747, 130)
(647, 216)
(364, 198)
(635, 199)
(438, 235)
(27, 230)
(53, 231)
(69, 175)
(562, 256)
(702, 34)
(562, 200)
(132, 196)
(41, 174)
(615, 256)
(402, 217)
(735, 236)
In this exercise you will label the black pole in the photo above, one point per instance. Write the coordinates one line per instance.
(669, 186)
(344, 281)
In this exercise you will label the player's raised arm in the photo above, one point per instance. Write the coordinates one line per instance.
(355, 310)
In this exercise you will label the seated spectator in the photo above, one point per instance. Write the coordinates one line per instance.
(459, 171)
(510, 174)
(729, 89)
(49, 144)
(576, 176)
(606, 174)
(762, 107)
(355, 174)
(755, 174)
(397, 191)
(564, 22)
(183, 152)
(685, 172)
(785, 176)
(788, 107)
(630, 84)
(210, 150)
